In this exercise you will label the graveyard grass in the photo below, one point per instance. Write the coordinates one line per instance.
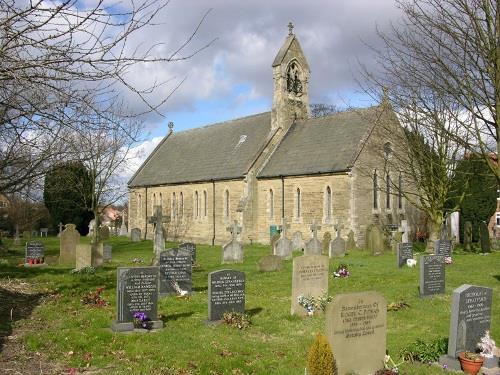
(65, 331)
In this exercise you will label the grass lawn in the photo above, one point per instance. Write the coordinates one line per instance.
(76, 335)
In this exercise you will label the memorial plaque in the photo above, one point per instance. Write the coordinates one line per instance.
(442, 247)
(191, 247)
(356, 327)
(432, 277)
(107, 253)
(34, 250)
(309, 278)
(404, 252)
(137, 291)
(175, 267)
(226, 293)
(470, 318)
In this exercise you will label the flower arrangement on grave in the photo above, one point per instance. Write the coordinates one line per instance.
(448, 260)
(395, 306)
(236, 319)
(141, 320)
(487, 345)
(342, 271)
(94, 298)
(180, 293)
(390, 365)
(312, 304)
(137, 260)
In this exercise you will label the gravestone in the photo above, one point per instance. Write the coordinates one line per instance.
(60, 229)
(232, 252)
(17, 240)
(442, 247)
(327, 238)
(467, 236)
(104, 233)
(283, 246)
(270, 263)
(432, 276)
(35, 251)
(484, 238)
(91, 228)
(356, 327)
(175, 267)
(297, 241)
(375, 240)
(454, 225)
(226, 293)
(405, 231)
(137, 290)
(404, 252)
(123, 227)
(135, 235)
(191, 247)
(44, 231)
(158, 240)
(83, 256)
(336, 248)
(351, 242)
(107, 253)
(97, 254)
(313, 246)
(309, 278)
(68, 241)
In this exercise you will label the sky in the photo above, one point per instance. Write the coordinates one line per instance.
(230, 74)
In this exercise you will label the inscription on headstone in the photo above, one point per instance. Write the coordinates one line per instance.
(442, 247)
(191, 247)
(432, 277)
(404, 252)
(356, 327)
(34, 251)
(226, 292)
(175, 267)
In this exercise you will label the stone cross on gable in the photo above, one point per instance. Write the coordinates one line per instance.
(235, 229)
(284, 227)
(290, 28)
(338, 227)
(314, 228)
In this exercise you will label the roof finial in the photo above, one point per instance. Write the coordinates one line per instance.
(290, 28)
(170, 127)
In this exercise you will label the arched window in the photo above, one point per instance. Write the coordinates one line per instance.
(181, 205)
(139, 205)
(271, 203)
(174, 206)
(400, 192)
(154, 203)
(375, 190)
(388, 192)
(298, 207)
(161, 202)
(328, 204)
(226, 203)
(205, 203)
(196, 205)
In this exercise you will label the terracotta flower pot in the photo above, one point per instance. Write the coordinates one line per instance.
(470, 366)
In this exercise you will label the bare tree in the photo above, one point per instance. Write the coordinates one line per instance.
(59, 60)
(322, 109)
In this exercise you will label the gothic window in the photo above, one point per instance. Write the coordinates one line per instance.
(181, 204)
(196, 207)
(205, 203)
(139, 206)
(328, 204)
(375, 190)
(226, 203)
(388, 192)
(271, 203)
(154, 202)
(400, 192)
(298, 203)
(174, 206)
(161, 202)
(293, 83)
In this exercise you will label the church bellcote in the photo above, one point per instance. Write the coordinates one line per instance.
(291, 78)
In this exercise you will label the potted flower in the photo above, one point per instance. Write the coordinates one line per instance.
(471, 362)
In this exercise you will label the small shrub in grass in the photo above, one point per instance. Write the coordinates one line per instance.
(320, 360)
(236, 319)
(425, 352)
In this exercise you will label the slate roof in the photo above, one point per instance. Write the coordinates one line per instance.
(220, 151)
(321, 145)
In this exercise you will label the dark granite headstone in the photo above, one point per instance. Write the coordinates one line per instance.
(442, 247)
(137, 291)
(432, 275)
(191, 247)
(175, 266)
(34, 250)
(404, 252)
(226, 293)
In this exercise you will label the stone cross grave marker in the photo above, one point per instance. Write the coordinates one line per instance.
(157, 220)
(297, 241)
(313, 246)
(83, 256)
(309, 279)
(137, 290)
(337, 246)
(175, 267)
(432, 276)
(60, 229)
(442, 247)
(34, 252)
(270, 263)
(226, 293)
(68, 241)
(283, 247)
(356, 326)
(405, 230)
(191, 247)
(232, 252)
(123, 227)
(404, 252)
(135, 234)
(107, 253)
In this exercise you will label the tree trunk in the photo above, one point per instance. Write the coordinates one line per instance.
(434, 234)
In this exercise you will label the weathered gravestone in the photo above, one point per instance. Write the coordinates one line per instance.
(191, 247)
(283, 246)
(83, 256)
(226, 293)
(356, 326)
(97, 254)
(232, 252)
(336, 248)
(175, 267)
(35, 253)
(270, 263)
(135, 235)
(159, 240)
(467, 236)
(442, 247)
(351, 242)
(432, 277)
(484, 238)
(313, 246)
(26, 235)
(327, 238)
(104, 233)
(375, 240)
(107, 253)
(68, 240)
(123, 227)
(404, 252)
(297, 241)
(405, 231)
(136, 291)
(309, 279)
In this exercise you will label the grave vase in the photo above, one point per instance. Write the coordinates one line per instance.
(470, 366)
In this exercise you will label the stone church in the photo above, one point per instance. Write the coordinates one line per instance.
(273, 165)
